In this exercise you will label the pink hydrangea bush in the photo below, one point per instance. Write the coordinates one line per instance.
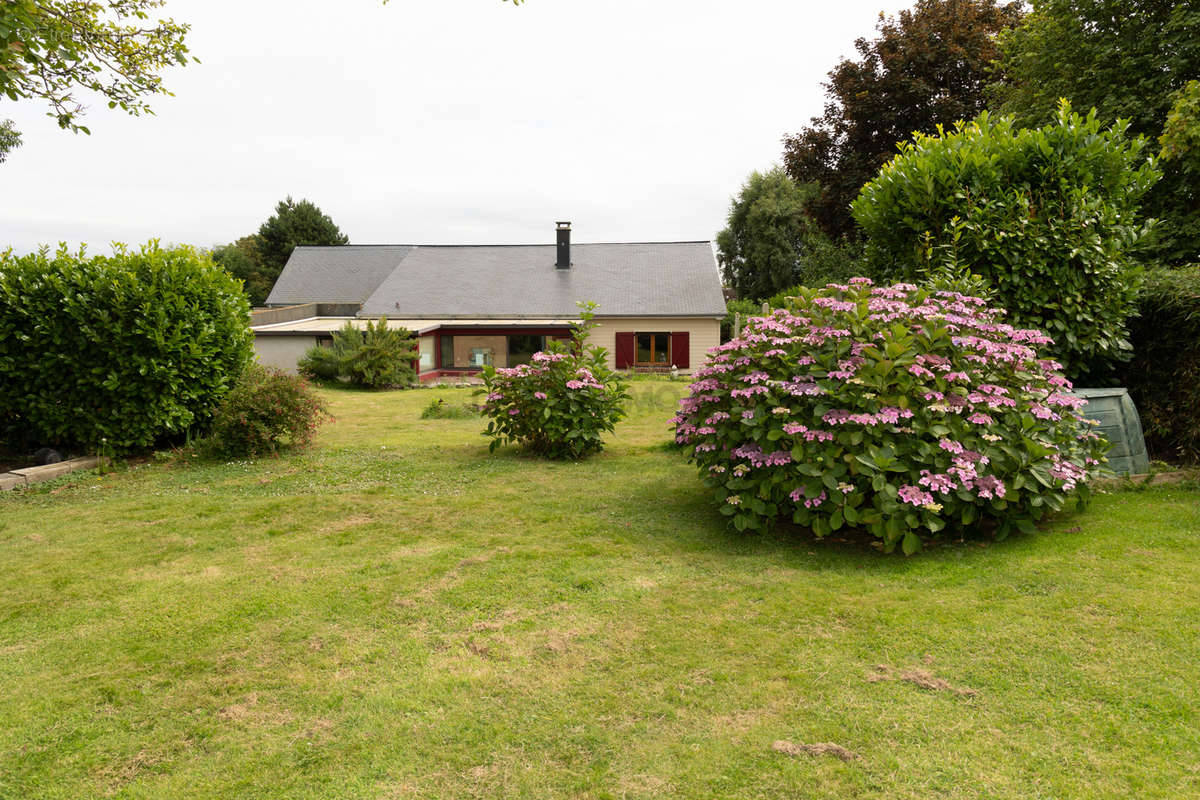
(561, 403)
(901, 411)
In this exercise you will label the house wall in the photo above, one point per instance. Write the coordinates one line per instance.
(704, 333)
(282, 352)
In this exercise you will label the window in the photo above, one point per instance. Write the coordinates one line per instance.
(468, 351)
(522, 347)
(653, 349)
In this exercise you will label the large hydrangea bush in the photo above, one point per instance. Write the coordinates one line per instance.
(897, 410)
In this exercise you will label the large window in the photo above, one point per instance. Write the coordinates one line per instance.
(465, 351)
(653, 349)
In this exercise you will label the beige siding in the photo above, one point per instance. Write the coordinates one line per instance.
(704, 333)
(282, 352)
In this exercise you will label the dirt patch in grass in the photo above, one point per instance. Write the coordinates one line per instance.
(347, 523)
(250, 712)
(921, 678)
(815, 749)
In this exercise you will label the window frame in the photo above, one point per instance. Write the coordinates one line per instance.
(653, 335)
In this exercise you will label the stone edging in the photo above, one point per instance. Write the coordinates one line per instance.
(24, 477)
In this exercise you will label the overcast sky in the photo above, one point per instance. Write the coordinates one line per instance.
(440, 121)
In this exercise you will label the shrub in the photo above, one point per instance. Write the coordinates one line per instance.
(438, 408)
(1164, 375)
(123, 350)
(561, 403)
(377, 357)
(1049, 217)
(266, 411)
(897, 410)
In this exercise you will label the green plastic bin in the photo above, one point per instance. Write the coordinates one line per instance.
(1119, 423)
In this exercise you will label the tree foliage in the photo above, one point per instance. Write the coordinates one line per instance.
(1180, 139)
(10, 139)
(258, 259)
(242, 260)
(50, 50)
(292, 224)
(769, 241)
(1048, 216)
(928, 66)
(1129, 59)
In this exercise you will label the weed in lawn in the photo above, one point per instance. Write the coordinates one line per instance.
(438, 408)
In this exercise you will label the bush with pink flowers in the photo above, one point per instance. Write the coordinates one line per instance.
(900, 411)
(560, 404)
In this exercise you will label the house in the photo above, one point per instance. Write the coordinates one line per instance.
(660, 304)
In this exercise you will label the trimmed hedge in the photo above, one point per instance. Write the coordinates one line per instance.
(116, 352)
(1049, 217)
(1164, 376)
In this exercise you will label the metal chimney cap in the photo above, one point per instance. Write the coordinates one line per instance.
(564, 224)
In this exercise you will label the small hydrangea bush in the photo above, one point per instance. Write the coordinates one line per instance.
(561, 403)
(897, 410)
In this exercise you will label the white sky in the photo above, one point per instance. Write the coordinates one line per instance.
(440, 121)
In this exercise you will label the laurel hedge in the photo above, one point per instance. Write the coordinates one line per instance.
(116, 352)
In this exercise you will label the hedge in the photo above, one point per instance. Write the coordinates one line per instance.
(1164, 375)
(116, 352)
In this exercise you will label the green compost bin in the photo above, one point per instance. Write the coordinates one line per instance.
(1119, 423)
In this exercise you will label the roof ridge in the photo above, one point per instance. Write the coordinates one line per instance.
(530, 244)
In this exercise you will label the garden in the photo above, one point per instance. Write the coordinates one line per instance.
(395, 612)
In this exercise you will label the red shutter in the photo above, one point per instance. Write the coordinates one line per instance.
(680, 349)
(626, 347)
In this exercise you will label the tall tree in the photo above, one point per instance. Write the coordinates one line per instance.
(242, 260)
(929, 66)
(767, 235)
(1128, 59)
(293, 223)
(52, 49)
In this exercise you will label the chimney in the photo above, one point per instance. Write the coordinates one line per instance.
(564, 245)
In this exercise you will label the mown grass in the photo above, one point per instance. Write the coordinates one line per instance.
(398, 614)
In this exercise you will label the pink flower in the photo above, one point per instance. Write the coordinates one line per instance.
(540, 395)
(512, 412)
(937, 483)
(950, 446)
(914, 495)
(919, 371)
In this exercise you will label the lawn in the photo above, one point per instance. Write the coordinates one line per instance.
(398, 614)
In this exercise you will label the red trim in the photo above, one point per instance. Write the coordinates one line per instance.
(445, 373)
(625, 349)
(681, 349)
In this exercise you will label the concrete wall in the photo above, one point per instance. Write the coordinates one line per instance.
(704, 333)
(282, 352)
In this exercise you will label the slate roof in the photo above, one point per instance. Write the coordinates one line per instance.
(654, 279)
(345, 274)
